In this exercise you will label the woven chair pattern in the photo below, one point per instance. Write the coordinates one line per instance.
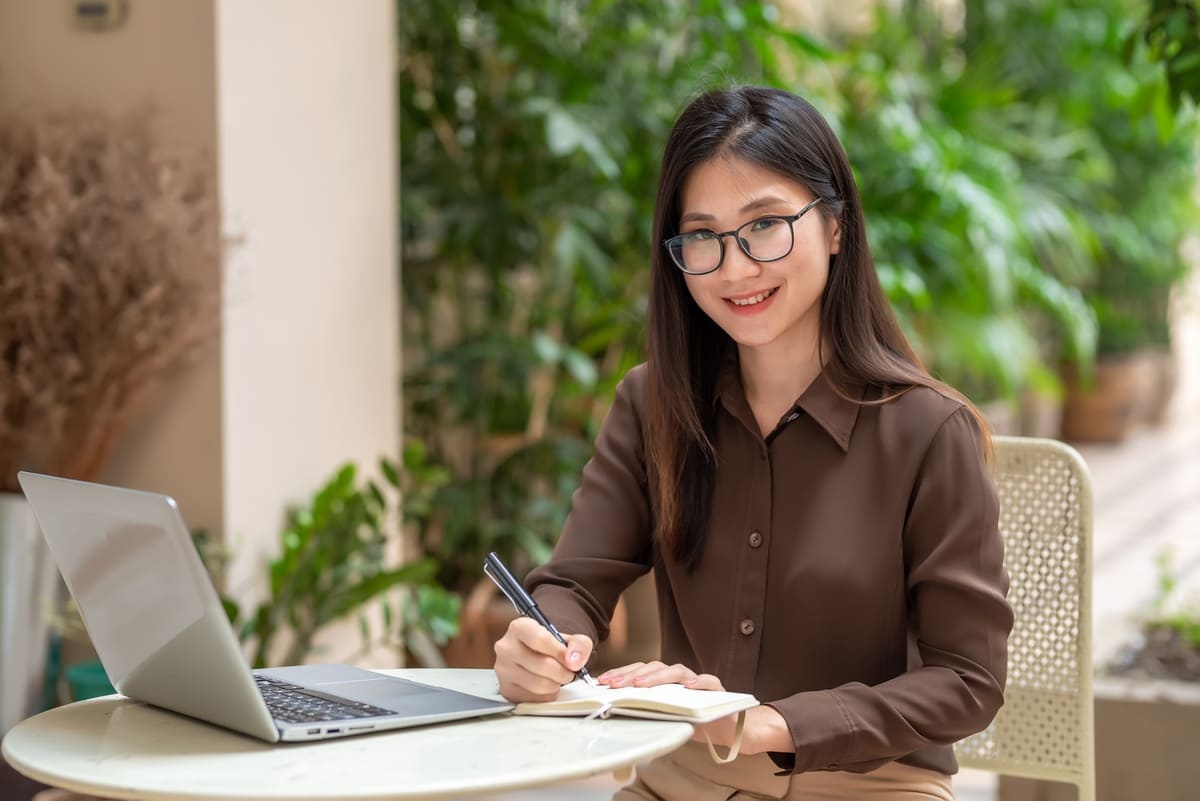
(1045, 729)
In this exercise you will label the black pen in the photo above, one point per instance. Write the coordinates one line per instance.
(494, 569)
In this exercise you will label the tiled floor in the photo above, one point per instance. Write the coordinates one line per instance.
(1147, 498)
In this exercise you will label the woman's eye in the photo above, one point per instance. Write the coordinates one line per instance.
(698, 236)
(764, 224)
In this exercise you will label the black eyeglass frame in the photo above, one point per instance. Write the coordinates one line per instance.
(790, 219)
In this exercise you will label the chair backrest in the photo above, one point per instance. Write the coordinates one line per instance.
(1045, 728)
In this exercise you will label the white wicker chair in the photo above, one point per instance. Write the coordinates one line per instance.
(1045, 729)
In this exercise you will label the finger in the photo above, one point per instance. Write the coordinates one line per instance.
(515, 654)
(536, 637)
(519, 685)
(704, 681)
(523, 671)
(615, 677)
(645, 674)
(579, 651)
(658, 673)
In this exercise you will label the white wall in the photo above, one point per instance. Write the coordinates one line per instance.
(305, 109)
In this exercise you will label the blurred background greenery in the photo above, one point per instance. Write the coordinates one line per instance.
(1027, 169)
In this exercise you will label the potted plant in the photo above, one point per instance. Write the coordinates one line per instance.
(333, 563)
(973, 242)
(1143, 209)
(106, 236)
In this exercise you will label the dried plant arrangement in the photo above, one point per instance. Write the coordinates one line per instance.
(105, 239)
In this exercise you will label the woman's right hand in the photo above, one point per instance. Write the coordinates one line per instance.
(532, 665)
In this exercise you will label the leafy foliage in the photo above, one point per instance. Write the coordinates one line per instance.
(332, 564)
(1172, 33)
(1120, 154)
(965, 238)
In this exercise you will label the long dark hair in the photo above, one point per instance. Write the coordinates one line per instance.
(783, 133)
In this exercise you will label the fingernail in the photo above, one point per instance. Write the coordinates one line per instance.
(574, 657)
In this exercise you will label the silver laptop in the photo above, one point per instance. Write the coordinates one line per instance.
(158, 627)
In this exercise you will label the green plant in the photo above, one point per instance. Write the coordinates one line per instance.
(1148, 208)
(332, 564)
(1180, 619)
(1115, 146)
(973, 247)
(1168, 645)
(1171, 31)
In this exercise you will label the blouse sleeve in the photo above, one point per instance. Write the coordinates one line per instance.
(606, 541)
(956, 586)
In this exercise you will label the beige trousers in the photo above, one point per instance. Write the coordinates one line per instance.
(689, 774)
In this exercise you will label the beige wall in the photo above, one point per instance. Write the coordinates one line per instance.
(296, 99)
(310, 355)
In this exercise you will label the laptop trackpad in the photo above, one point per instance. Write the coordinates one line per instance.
(355, 684)
(388, 693)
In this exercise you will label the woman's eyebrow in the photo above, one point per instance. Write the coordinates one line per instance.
(757, 203)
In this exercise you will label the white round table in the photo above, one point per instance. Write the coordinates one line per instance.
(118, 748)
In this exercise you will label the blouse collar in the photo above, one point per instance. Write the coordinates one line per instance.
(834, 413)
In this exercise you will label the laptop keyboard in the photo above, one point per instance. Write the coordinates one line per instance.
(291, 704)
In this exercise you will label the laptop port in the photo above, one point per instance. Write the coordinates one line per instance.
(314, 731)
(332, 731)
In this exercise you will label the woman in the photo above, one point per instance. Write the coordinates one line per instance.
(816, 508)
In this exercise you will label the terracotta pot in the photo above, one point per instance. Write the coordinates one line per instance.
(1106, 409)
(1156, 396)
(1039, 414)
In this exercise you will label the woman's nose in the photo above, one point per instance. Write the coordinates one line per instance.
(737, 264)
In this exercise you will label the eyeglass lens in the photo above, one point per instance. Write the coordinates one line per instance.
(764, 239)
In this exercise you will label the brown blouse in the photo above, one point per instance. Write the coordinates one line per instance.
(852, 576)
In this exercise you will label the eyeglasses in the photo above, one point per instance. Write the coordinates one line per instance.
(763, 239)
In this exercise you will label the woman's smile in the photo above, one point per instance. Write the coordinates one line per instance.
(751, 303)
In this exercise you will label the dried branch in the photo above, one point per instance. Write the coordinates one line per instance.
(105, 239)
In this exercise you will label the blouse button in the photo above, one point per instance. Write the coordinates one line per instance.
(747, 627)
(755, 539)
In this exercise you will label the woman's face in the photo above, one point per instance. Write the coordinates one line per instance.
(773, 305)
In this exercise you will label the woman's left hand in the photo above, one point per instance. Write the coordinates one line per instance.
(648, 674)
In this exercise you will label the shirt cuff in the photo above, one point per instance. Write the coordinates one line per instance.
(821, 728)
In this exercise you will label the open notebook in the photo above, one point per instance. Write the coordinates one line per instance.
(661, 702)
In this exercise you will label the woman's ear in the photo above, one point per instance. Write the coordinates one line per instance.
(835, 236)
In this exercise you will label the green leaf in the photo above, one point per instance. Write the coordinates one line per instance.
(388, 467)
(566, 133)
(356, 595)
(580, 366)
(546, 348)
